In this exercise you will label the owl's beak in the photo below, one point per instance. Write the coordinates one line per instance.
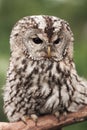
(49, 52)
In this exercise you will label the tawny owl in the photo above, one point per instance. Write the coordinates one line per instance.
(42, 78)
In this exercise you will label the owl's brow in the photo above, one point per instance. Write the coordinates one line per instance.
(49, 28)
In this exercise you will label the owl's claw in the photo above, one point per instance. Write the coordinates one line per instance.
(65, 114)
(57, 114)
(24, 119)
(34, 117)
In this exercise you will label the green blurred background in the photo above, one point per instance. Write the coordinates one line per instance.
(73, 11)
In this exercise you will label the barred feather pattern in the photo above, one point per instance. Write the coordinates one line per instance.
(43, 87)
(41, 80)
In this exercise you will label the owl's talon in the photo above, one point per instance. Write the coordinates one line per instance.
(65, 114)
(24, 119)
(57, 114)
(34, 117)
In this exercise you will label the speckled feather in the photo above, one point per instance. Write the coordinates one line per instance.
(37, 84)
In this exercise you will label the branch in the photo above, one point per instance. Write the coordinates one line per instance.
(48, 122)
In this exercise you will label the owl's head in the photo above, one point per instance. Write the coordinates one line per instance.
(41, 37)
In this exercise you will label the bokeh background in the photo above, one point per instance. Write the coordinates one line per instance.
(73, 11)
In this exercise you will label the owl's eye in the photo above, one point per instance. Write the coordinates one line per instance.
(57, 41)
(37, 40)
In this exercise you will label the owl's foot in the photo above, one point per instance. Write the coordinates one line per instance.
(58, 115)
(34, 117)
(24, 119)
(65, 115)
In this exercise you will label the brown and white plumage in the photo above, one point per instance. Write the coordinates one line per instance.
(42, 78)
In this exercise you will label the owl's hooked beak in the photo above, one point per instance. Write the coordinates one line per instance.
(49, 52)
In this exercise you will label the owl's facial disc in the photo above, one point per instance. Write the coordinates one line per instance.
(42, 37)
(47, 38)
(40, 47)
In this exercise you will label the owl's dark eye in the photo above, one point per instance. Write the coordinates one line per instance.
(57, 41)
(37, 40)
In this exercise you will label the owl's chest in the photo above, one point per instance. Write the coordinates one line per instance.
(42, 86)
(43, 75)
(42, 80)
(45, 84)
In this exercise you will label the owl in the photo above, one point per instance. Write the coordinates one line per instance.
(42, 78)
